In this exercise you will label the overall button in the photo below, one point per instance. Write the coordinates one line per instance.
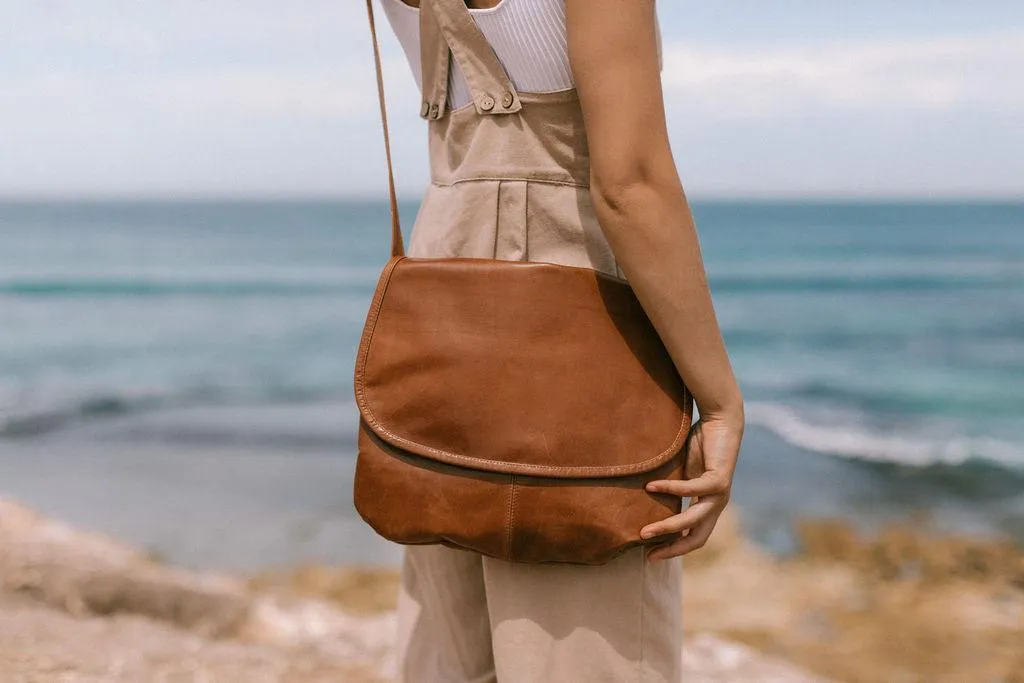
(435, 111)
(507, 100)
(487, 103)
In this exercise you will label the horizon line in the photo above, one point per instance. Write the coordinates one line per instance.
(823, 198)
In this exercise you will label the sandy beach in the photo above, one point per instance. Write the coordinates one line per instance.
(902, 605)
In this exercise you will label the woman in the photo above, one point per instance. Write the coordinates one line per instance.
(577, 170)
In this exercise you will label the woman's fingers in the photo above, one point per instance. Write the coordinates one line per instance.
(711, 483)
(712, 451)
(681, 522)
(697, 537)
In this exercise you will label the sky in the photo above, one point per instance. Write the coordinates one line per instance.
(266, 98)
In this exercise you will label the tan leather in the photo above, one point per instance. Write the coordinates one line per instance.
(524, 368)
(414, 500)
(512, 407)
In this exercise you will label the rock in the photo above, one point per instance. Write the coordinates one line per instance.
(81, 608)
(87, 574)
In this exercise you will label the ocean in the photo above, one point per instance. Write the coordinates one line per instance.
(179, 373)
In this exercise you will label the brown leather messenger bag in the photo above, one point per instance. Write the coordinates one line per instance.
(511, 408)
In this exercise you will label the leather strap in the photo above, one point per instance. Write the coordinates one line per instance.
(397, 246)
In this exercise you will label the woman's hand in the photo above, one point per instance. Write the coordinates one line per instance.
(712, 449)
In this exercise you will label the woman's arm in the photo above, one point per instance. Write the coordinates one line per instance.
(643, 213)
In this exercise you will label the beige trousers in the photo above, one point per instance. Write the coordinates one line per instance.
(464, 618)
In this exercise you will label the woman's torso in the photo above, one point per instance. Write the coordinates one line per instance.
(508, 150)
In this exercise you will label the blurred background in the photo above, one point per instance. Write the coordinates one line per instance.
(193, 217)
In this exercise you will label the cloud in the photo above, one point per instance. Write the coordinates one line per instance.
(263, 96)
(63, 98)
(153, 26)
(925, 75)
(266, 56)
(113, 64)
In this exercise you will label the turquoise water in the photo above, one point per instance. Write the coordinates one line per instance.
(888, 333)
(876, 331)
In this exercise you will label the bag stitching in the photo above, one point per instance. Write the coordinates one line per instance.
(368, 330)
(510, 521)
(557, 471)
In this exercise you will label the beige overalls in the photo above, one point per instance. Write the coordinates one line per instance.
(510, 175)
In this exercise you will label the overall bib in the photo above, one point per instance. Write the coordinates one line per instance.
(510, 180)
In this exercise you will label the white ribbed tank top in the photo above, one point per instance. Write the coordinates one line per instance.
(528, 36)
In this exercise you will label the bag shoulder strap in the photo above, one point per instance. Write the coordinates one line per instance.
(397, 246)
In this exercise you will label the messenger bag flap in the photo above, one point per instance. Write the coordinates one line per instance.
(520, 368)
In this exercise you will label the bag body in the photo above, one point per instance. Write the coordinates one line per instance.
(514, 398)
(515, 409)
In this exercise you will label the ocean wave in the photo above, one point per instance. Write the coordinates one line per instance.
(27, 423)
(784, 284)
(860, 443)
(832, 437)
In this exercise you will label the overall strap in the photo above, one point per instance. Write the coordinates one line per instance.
(397, 247)
(489, 85)
(435, 62)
